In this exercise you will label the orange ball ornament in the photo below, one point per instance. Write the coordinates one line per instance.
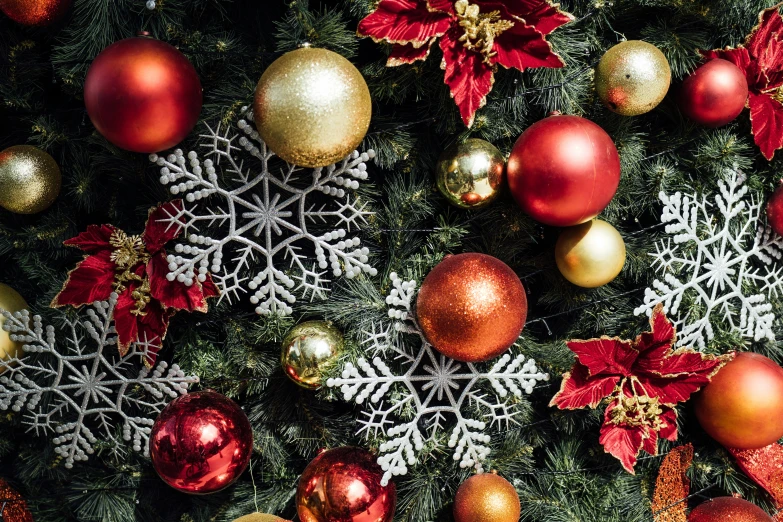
(725, 509)
(742, 407)
(486, 498)
(471, 307)
(35, 12)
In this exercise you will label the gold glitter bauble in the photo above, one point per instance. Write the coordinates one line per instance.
(29, 179)
(470, 173)
(486, 498)
(312, 107)
(10, 301)
(259, 517)
(591, 254)
(309, 350)
(632, 78)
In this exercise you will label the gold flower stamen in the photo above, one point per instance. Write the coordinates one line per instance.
(481, 29)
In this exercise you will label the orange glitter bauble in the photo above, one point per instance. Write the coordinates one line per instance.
(486, 498)
(728, 509)
(15, 507)
(35, 12)
(471, 307)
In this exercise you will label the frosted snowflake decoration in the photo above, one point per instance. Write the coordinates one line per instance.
(264, 216)
(431, 389)
(721, 258)
(64, 388)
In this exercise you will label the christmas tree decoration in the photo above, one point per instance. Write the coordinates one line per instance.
(30, 179)
(741, 407)
(486, 498)
(723, 509)
(672, 487)
(558, 160)
(259, 517)
(201, 443)
(312, 107)
(11, 302)
(714, 94)
(35, 12)
(475, 36)
(763, 465)
(14, 506)
(63, 388)
(345, 484)
(632, 78)
(722, 257)
(135, 267)
(643, 380)
(775, 210)
(471, 307)
(591, 254)
(470, 173)
(429, 387)
(309, 350)
(264, 217)
(142, 94)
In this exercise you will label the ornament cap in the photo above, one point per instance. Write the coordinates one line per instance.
(555, 113)
(144, 34)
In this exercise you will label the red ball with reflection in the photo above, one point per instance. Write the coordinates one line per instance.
(344, 484)
(201, 443)
(143, 95)
(775, 211)
(563, 170)
(728, 509)
(35, 12)
(714, 94)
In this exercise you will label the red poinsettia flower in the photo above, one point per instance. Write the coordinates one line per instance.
(134, 267)
(761, 59)
(475, 36)
(642, 381)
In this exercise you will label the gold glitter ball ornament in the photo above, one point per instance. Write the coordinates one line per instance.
(486, 498)
(591, 254)
(312, 107)
(29, 179)
(259, 517)
(12, 302)
(632, 78)
(309, 349)
(470, 173)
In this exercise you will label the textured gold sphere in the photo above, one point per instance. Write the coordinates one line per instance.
(309, 350)
(312, 107)
(29, 179)
(632, 78)
(259, 517)
(10, 301)
(486, 498)
(591, 254)
(470, 173)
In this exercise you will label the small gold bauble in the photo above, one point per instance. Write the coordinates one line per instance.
(29, 179)
(309, 350)
(632, 78)
(486, 498)
(470, 173)
(591, 254)
(312, 107)
(259, 517)
(10, 301)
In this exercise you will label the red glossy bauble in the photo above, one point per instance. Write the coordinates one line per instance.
(35, 12)
(728, 509)
(344, 484)
(201, 443)
(471, 307)
(742, 407)
(563, 170)
(143, 95)
(775, 211)
(714, 94)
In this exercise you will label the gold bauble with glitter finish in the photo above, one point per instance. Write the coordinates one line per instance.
(632, 78)
(486, 498)
(259, 517)
(29, 179)
(12, 302)
(309, 350)
(591, 254)
(312, 107)
(470, 173)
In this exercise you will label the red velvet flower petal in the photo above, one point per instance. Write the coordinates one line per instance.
(668, 429)
(468, 76)
(541, 15)
(95, 239)
(403, 54)
(765, 45)
(522, 47)
(92, 280)
(605, 356)
(623, 442)
(766, 118)
(578, 390)
(152, 329)
(173, 294)
(404, 21)
(125, 322)
(160, 229)
(209, 287)
(445, 6)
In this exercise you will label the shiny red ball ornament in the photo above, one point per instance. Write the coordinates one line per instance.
(714, 94)
(563, 170)
(143, 95)
(201, 443)
(344, 484)
(471, 307)
(35, 12)
(742, 407)
(775, 210)
(728, 509)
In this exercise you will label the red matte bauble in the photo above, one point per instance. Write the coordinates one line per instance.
(143, 95)
(714, 94)
(775, 211)
(728, 509)
(471, 307)
(201, 443)
(563, 170)
(344, 485)
(742, 407)
(35, 12)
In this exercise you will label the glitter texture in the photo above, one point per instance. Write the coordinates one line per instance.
(486, 498)
(765, 467)
(728, 509)
(14, 505)
(35, 12)
(672, 486)
(29, 179)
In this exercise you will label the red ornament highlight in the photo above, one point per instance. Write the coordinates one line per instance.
(35, 12)
(775, 211)
(724, 509)
(714, 94)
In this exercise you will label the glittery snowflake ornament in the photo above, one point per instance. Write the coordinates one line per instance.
(429, 389)
(244, 222)
(721, 260)
(73, 379)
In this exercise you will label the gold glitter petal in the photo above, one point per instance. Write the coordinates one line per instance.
(29, 179)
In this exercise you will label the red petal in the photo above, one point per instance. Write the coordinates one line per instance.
(650, 441)
(95, 239)
(406, 54)
(404, 21)
(125, 322)
(92, 280)
(766, 117)
(605, 356)
(578, 390)
(669, 428)
(522, 47)
(152, 330)
(209, 287)
(163, 224)
(623, 442)
(446, 6)
(680, 375)
(173, 294)
(467, 75)
(765, 45)
(539, 14)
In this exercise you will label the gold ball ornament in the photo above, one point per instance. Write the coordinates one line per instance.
(12, 302)
(30, 179)
(470, 173)
(312, 107)
(486, 498)
(259, 517)
(591, 254)
(632, 78)
(309, 350)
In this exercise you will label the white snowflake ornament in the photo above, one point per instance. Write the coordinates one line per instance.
(263, 216)
(430, 389)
